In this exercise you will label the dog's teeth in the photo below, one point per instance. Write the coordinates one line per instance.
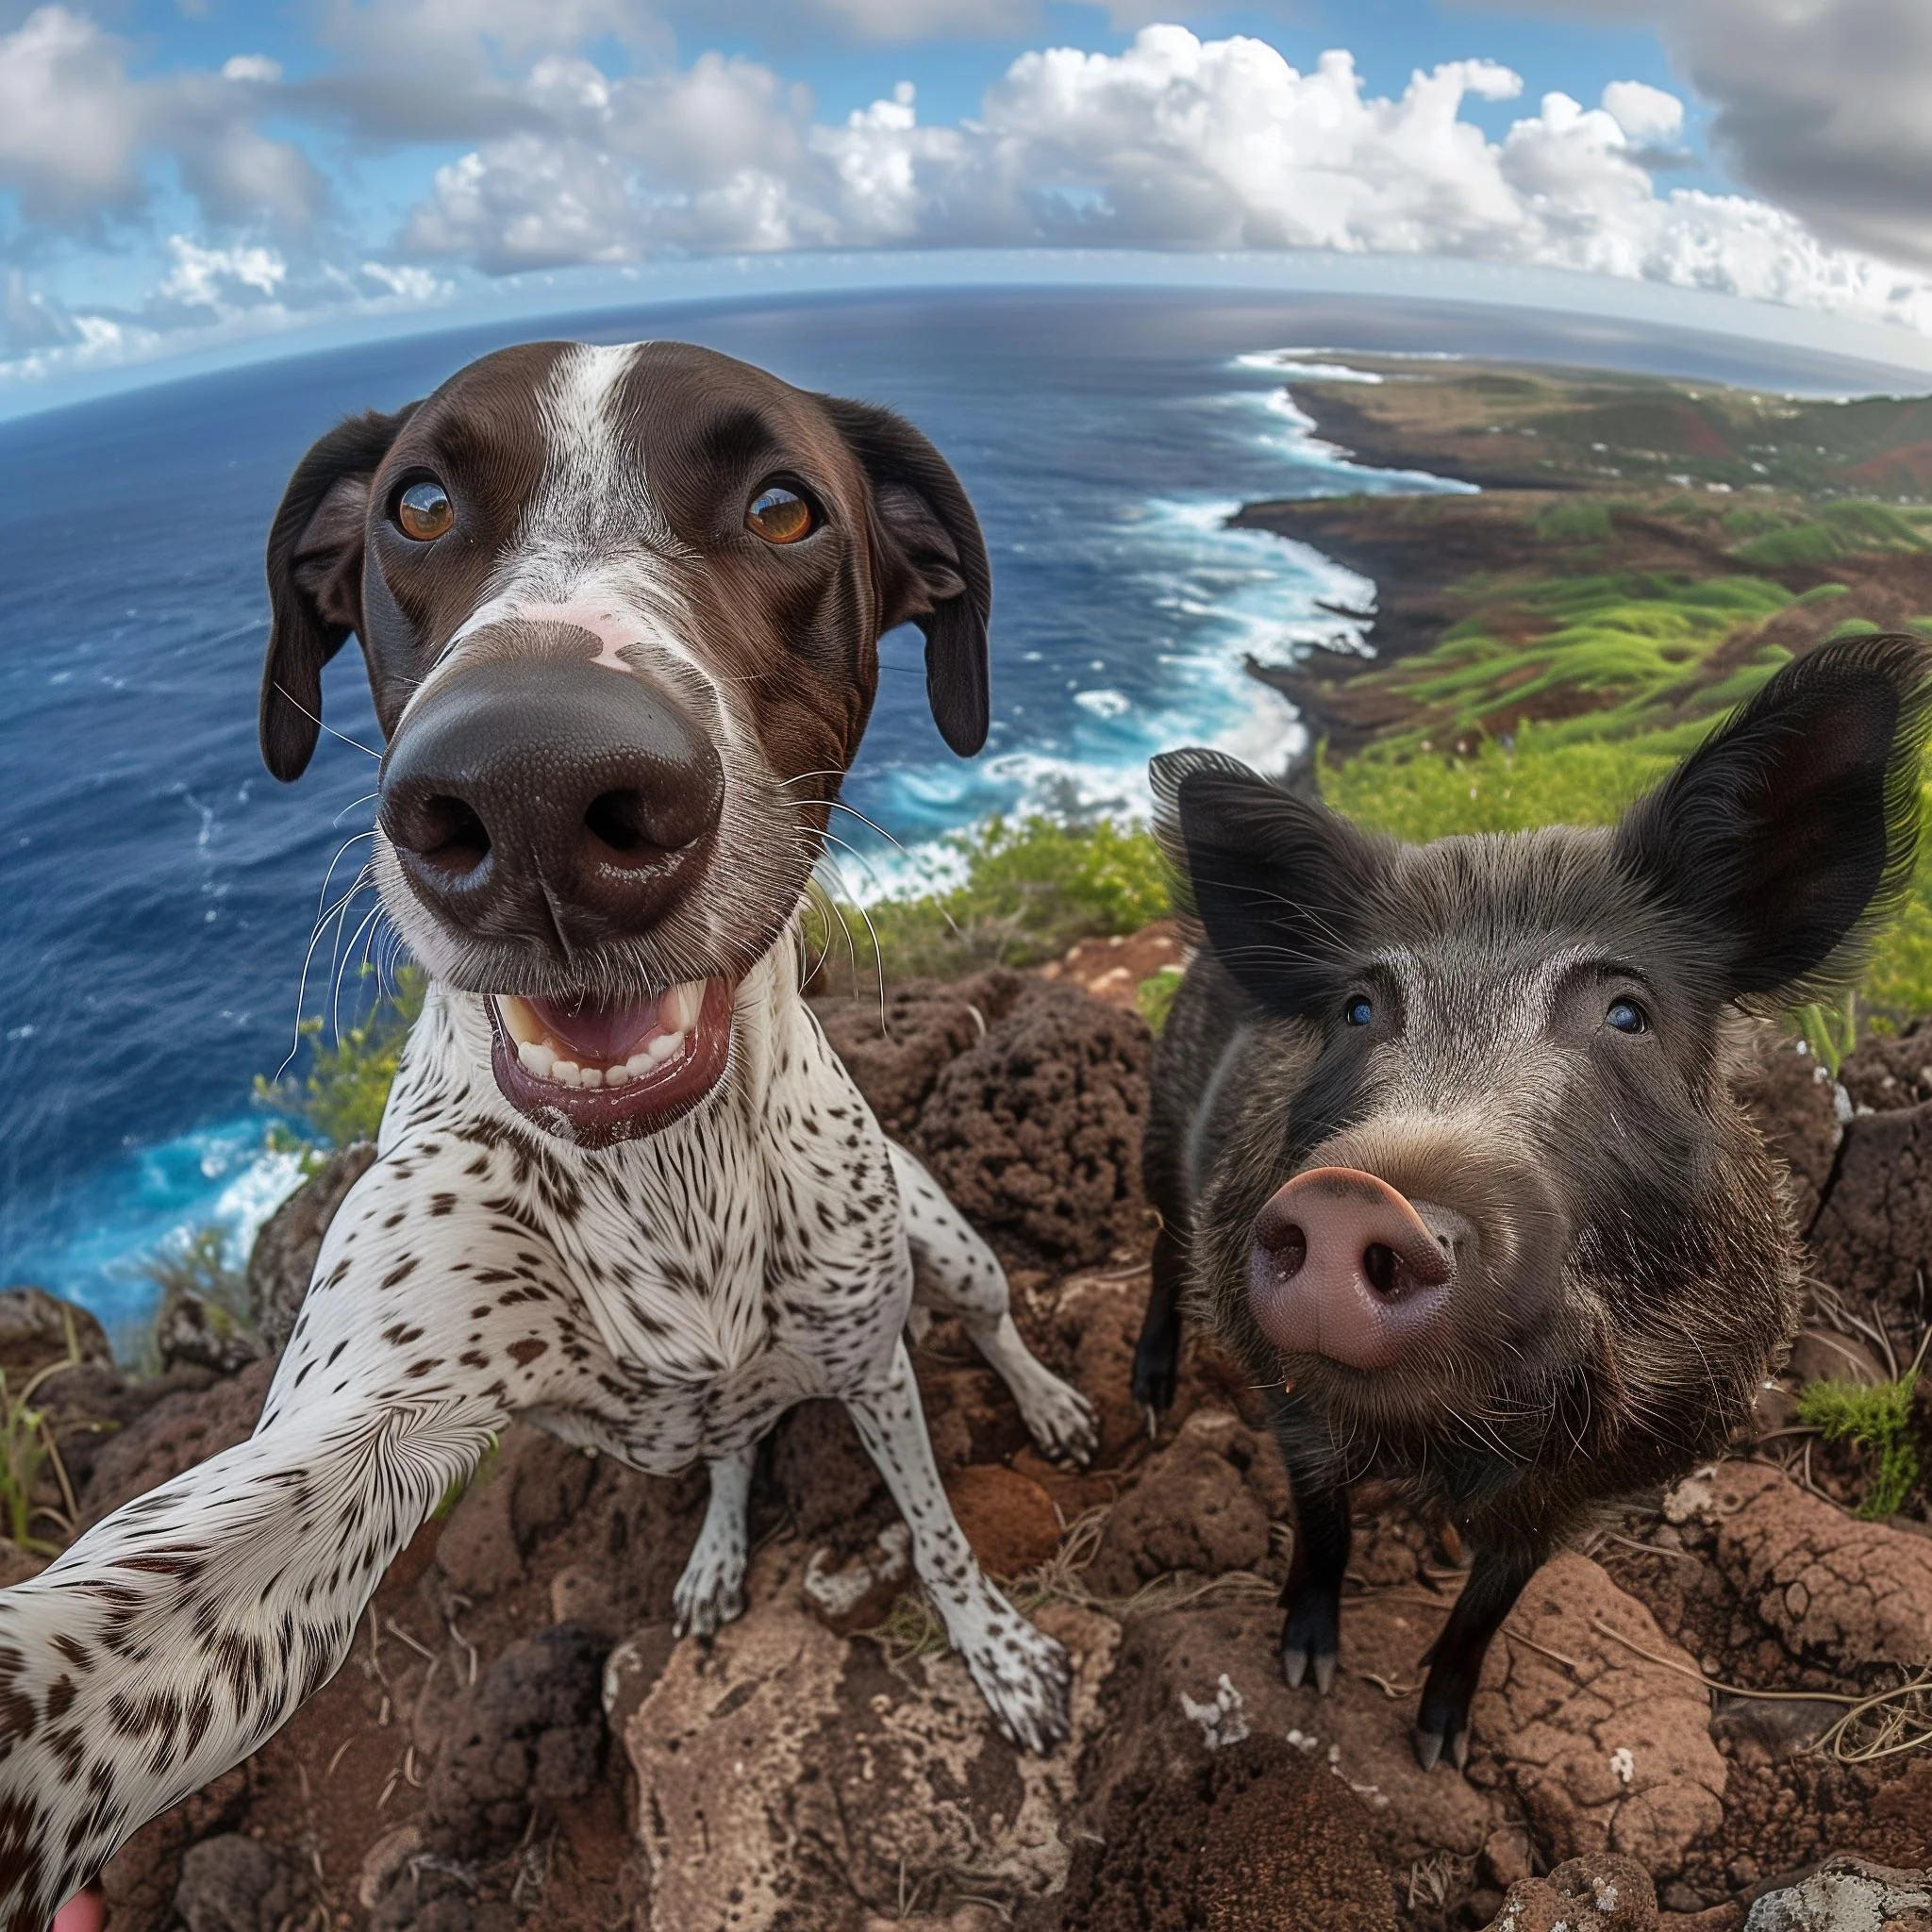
(682, 1006)
(537, 1057)
(639, 1064)
(664, 1046)
(567, 1074)
(520, 1022)
(616, 1076)
(590, 1076)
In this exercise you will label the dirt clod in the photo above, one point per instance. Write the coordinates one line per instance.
(1259, 1838)
(1850, 1592)
(284, 1253)
(233, 1883)
(1194, 1508)
(897, 1052)
(1035, 1132)
(1608, 1748)
(1601, 1894)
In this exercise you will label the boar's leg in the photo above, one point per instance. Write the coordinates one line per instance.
(1311, 1631)
(1158, 1355)
(1455, 1657)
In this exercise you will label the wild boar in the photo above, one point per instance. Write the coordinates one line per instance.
(1443, 1141)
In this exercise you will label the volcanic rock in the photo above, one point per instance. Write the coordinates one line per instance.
(896, 1051)
(1034, 1133)
(1873, 1234)
(38, 1329)
(787, 1776)
(1608, 1748)
(1790, 1096)
(1847, 1895)
(1200, 1505)
(233, 1883)
(1602, 1894)
(192, 1331)
(284, 1255)
(1846, 1592)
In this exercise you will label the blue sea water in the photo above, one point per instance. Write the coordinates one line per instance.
(158, 890)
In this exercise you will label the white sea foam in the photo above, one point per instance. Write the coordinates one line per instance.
(1227, 597)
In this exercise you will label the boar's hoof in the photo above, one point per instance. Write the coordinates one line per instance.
(1155, 1373)
(1310, 1634)
(1295, 1667)
(1429, 1746)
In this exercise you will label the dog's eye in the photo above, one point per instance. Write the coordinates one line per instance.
(1360, 1012)
(423, 511)
(1626, 1016)
(779, 515)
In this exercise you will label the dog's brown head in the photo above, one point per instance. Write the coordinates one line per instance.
(620, 609)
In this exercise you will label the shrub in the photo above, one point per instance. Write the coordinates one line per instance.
(1575, 523)
(1028, 889)
(1877, 1421)
(342, 1095)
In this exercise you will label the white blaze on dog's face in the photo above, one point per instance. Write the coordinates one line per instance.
(619, 609)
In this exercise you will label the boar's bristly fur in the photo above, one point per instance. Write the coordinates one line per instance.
(1518, 1050)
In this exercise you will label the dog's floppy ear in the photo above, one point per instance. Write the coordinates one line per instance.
(935, 571)
(315, 580)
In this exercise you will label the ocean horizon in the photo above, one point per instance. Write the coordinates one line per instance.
(175, 913)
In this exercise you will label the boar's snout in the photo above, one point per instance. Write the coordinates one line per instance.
(1344, 1266)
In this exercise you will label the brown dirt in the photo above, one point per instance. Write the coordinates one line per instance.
(1258, 1838)
(461, 1771)
(1035, 1132)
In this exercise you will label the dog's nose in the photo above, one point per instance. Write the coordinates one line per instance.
(553, 801)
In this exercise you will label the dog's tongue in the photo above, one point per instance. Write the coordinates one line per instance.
(601, 1034)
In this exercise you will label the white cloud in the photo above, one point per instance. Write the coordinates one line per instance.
(1176, 142)
(78, 133)
(1824, 104)
(1647, 114)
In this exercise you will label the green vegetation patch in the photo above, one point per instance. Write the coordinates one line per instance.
(1877, 1421)
(341, 1095)
(1027, 889)
(1593, 657)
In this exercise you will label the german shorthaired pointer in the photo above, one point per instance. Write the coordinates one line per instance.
(620, 607)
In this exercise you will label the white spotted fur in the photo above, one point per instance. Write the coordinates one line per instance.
(665, 1300)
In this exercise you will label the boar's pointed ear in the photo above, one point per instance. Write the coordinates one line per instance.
(315, 580)
(933, 571)
(1783, 839)
(1276, 885)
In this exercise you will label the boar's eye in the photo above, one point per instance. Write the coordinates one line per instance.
(1626, 1016)
(1359, 1012)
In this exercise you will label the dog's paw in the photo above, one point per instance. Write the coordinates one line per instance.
(1061, 1421)
(710, 1593)
(1026, 1678)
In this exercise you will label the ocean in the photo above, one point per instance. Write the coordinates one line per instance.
(160, 891)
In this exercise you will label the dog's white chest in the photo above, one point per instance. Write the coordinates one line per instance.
(748, 1258)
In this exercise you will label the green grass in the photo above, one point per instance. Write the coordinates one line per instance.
(1876, 1420)
(1154, 997)
(1587, 522)
(341, 1095)
(1617, 648)
(1838, 529)
(1029, 889)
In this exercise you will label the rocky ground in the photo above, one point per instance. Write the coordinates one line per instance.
(517, 1740)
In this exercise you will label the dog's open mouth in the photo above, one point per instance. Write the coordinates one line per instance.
(599, 1072)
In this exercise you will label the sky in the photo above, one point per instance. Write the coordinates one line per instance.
(187, 177)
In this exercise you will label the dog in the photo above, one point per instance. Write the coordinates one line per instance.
(620, 610)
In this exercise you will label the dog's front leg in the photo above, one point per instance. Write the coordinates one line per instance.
(179, 1634)
(1022, 1674)
(712, 1591)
